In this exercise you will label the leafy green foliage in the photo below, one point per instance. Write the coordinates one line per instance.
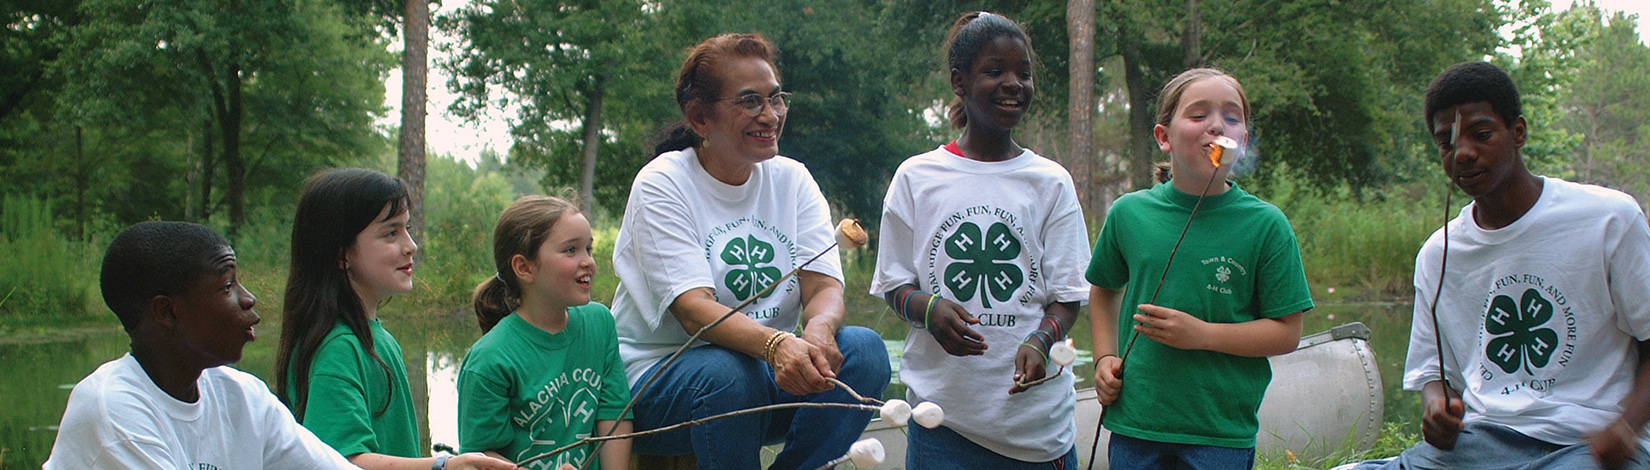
(1607, 105)
(851, 119)
(553, 61)
(461, 206)
(1363, 245)
(138, 92)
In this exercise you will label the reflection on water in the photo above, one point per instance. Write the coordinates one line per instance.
(443, 409)
(41, 374)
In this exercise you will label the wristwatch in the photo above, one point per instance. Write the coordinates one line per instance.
(440, 462)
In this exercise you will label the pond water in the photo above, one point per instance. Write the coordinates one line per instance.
(40, 375)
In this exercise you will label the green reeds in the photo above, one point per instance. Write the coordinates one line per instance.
(43, 274)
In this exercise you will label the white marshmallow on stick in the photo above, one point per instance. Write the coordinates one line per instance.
(867, 453)
(896, 411)
(928, 414)
(1062, 354)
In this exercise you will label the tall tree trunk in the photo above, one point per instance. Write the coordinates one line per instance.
(414, 80)
(191, 178)
(1080, 145)
(209, 165)
(234, 167)
(1191, 43)
(1142, 144)
(418, 383)
(592, 142)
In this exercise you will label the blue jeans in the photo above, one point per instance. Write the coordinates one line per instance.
(710, 380)
(943, 449)
(1127, 453)
(1482, 446)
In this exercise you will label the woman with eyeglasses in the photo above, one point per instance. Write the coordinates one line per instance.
(712, 220)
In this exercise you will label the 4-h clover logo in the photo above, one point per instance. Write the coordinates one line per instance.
(976, 268)
(1223, 273)
(1525, 344)
(747, 256)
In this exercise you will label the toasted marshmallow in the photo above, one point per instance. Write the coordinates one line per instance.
(850, 235)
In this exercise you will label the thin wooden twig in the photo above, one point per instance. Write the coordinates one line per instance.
(856, 395)
(599, 439)
(832, 464)
(1044, 379)
(637, 393)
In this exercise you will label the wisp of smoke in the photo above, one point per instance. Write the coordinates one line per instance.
(1247, 162)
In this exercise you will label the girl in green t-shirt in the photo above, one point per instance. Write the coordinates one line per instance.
(1232, 287)
(337, 367)
(547, 372)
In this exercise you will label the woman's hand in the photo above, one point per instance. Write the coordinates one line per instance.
(1108, 379)
(949, 325)
(1171, 327)
(800, 367)
(826, 342)
(477, 461)
(1028, 366)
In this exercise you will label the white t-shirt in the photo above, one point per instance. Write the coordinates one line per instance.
(1002, 239)
(683, 229)
(118, 418)
(1540, 318)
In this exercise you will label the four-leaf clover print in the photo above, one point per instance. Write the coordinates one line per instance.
(1519, 340)
(748, 256)
(976, 270)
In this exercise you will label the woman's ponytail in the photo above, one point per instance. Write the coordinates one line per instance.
(676, 137)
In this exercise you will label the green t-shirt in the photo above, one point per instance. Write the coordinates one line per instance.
(1238, 263)
(523, 391)
(347, 388)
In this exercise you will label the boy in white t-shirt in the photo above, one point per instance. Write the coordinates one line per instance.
(1544, 308)
(168, 404)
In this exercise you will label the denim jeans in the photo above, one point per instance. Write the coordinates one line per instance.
(1127, 453)
(943, 449)
(710, 380)
(1482, 446)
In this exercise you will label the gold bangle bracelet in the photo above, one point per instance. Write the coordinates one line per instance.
(773, 342)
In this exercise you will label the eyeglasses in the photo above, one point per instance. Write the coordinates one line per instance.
(752, 103)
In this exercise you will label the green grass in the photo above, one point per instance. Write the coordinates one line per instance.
(1395, 438)
(45, 279)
